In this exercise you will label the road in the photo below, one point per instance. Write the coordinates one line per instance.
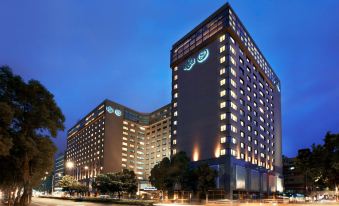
(55, 202)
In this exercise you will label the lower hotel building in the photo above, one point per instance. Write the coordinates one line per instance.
(113, 137)
(226, 106)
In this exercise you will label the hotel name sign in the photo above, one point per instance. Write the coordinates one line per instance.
(202, 56)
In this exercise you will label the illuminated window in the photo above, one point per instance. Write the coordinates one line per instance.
(222, 59)
(222, 71)
(175, 113)
(222, 93)
(175, 95)
(175, 86)
(261, 85)
(234, 106)
(242, 145)
(232, 40)
(175, 68)
(233, 72)
(249, 148)
(222, 82)
(242, 134)
(233, 94)
(234, 118)
(174, 104)
(175, 122)
(222, 49)
(242, 156)
(233, 152)
(223, 128)
(261, 110)
(174, 141)
(233, 61)
(242, 123)
(234, 141)
(222, 105)
(234, 129)
(223, 116)
(222, 38)
(175, 77)
(174, 151)
(222, 139)
(222, 152)
(232, 50)
(233, 83)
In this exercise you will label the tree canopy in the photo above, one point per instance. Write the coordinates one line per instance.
(320, 165)
(119, 182)
(176, 174)
(29, 117)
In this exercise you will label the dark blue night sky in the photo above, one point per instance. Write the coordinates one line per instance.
(86, 51)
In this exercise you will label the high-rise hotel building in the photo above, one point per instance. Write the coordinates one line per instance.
(226, 105)
(113, 137)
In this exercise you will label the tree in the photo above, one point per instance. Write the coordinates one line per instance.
(179, 169)
(159, 175)
(102, 183)
(68, 183)
(6, 116)
(171, 174)
(205, 178)
(320, 164)
(176, 174)
(29, 118)
(129, 181)
(118, 182)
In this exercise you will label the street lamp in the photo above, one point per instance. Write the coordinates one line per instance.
(69, 165)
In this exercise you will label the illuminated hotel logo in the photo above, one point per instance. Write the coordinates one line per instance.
(202, 56)
(189, 65)
(117, 112)
(110, 110)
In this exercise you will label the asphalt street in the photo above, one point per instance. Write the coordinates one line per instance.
(55, 202)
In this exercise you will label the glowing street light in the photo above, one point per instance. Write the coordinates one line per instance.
(69, 165)
(86, 167)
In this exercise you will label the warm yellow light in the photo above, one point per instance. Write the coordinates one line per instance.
(217, 151)
(69, 164)
(195, 153)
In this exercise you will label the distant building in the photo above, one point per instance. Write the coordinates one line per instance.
(294, 180)
(59, 171)
(113, 137)
(226, 106)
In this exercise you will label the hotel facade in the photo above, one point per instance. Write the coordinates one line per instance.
(113, 137)
(226, 107)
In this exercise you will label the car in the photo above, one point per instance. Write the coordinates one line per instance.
(104, 196)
